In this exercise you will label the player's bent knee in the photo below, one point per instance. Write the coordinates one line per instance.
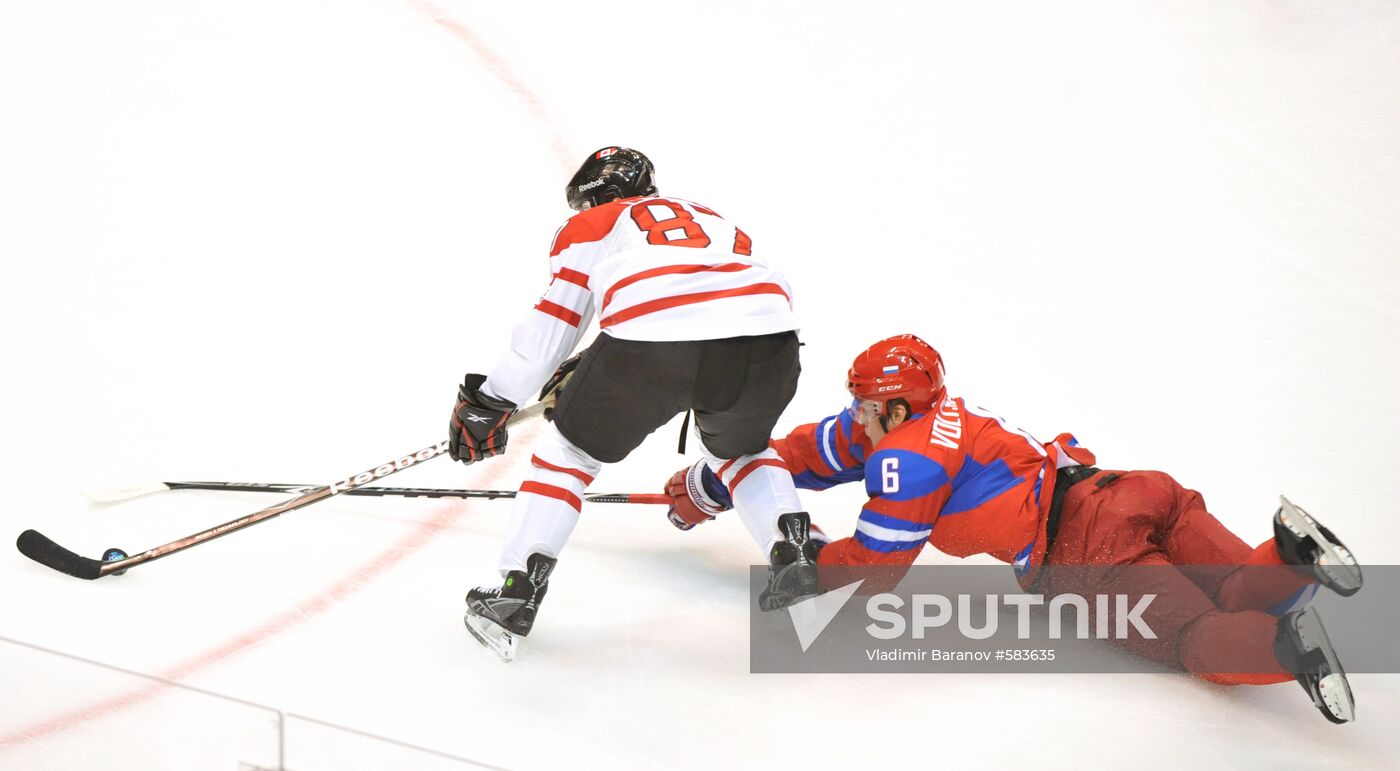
(556, 449)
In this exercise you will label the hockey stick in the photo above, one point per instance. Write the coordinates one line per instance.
(118, 494)
(42, 549)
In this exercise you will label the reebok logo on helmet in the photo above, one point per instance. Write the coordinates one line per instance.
(590, 185)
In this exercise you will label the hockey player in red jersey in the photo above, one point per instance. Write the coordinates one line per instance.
(690, 319)
(944, 472)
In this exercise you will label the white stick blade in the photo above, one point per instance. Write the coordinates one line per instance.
(115, 494)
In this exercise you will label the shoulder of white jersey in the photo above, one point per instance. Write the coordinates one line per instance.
(590, 225)
(699, 207)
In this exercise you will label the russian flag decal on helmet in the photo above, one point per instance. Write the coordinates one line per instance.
(891, 369)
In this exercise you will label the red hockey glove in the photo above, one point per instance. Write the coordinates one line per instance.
(692, 502)
(478, 428)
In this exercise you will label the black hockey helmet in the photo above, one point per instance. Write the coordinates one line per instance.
(610, 174)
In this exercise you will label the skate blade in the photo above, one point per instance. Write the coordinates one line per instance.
(1334, 561)
(493, 636)
(1333, 694)
(1334, 698)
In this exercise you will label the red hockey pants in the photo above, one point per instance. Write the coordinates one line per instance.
(1208, 616)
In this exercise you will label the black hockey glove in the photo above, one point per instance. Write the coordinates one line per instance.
(478, 428)
(555, 386)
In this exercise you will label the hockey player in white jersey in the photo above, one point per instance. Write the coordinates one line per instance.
(690, 319)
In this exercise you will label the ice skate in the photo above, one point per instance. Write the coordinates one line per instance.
(1302, 541)
(1303, 648)
(498, 617)
(792, 571)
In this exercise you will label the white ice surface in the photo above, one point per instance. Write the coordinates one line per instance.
(263, 240)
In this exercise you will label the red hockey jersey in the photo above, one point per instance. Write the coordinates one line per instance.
(957, 477)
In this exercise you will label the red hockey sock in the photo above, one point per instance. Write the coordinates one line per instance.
(1265, 582)
(1233, 649)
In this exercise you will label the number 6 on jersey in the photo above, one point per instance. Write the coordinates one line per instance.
(889, 475)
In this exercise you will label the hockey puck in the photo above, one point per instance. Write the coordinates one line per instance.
(113, 555)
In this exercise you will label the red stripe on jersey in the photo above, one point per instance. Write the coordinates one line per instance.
(552, 491)
(559, 312)
(573, 472)
(666, 303)
(589, 225)
(728, 267)
(573, 277)
(723, 469)
(749, 469)
(703, 209)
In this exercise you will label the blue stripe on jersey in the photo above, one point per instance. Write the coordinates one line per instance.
(844, 418)
(854, 448)
(875, 544)
(911, 474)
(826, 443)
(847, 424)
(893, 523)
(976, 484)
(1022, 561)
(810, 480)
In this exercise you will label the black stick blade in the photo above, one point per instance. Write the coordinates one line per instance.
(37, 546)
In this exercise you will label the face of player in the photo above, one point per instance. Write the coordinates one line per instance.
(867, 414)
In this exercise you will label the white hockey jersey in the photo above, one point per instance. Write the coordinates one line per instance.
(651, 268)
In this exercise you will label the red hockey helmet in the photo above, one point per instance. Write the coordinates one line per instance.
(899, 367)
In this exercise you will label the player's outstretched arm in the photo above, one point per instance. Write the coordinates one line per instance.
(697, 494)
(824, 454)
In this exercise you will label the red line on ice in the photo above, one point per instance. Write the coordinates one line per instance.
(559, 144)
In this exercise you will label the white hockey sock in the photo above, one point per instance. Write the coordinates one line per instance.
(549, 502)
(762, 489)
